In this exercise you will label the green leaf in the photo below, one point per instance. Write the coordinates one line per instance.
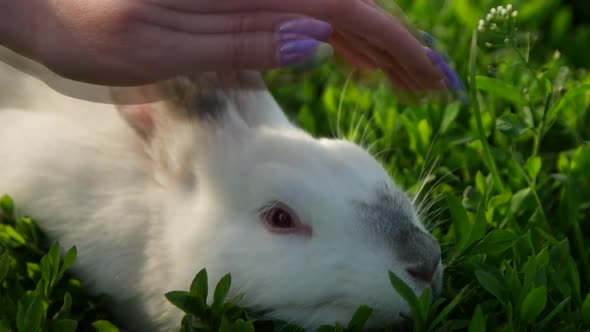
(221, 290)
(46, 270)
(569, 97)
(496, 242)
(513, 283)
(552, 314)
(533, 166)
(7, 205)
(360, 318)
(200, 285)
(424, 302)
(461, 223)
(447, 310)
(68, 261)
(479, 228)
(449, 116)
(14, 234)
(104, 326)
(34, 315)
(533, 304)
(501, 199)
(408, 294)
(519, 199)
(481, 183)
(64, 325)
(511, 125)
(500, 89)
(586, 309)
(242, 326)
(492, 281)
(4, 266)
(67, 305)
(478, 321)
(20, 316)
(226, 325)
(186, 302)
(53, 257)
(530, 273)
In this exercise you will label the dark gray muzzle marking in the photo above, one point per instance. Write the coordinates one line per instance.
(391, 219)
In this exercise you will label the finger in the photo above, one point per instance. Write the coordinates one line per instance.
(234, 22)
(362, 60)
(388, 65)
(404, 50)
(373, 24)
(351, 54)
(259, 50)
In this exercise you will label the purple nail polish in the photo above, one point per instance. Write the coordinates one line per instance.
(452, 79)
(297, 50)
(305, 27)
(451, 76)
(428, 39)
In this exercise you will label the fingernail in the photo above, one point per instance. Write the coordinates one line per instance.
(428, 39)
(303, 53)
(305, 27)
(432, 43)
(452, 79)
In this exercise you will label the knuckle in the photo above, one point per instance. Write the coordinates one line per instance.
(237, 23)
(235, 50)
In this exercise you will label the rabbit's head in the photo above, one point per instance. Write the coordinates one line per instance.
(307, 227)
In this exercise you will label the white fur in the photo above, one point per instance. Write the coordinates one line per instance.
(142, 228)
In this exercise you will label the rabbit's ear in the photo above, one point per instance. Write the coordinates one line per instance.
(173, 117)
(154, 110)
(137, 106)
(253, 101)
(162, 118)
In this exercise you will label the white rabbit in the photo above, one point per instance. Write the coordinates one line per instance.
(218, 178)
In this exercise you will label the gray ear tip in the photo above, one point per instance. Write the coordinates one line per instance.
(198, 96)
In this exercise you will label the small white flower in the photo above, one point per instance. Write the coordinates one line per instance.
(494, 26)
(481, 28)
(509, 7)
(503, 12)
(556, 55)
(489, 45)
(493, 10)
(482, 22)
(515, 13)
(499, 8)
(506, 41)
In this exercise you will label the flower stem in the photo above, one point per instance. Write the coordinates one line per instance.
(477, 112)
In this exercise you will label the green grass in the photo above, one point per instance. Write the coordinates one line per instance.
(506, 180)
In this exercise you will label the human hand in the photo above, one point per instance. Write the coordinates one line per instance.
(132, 42)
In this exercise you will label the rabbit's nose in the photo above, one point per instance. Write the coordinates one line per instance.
(423, 272)
(426, 259)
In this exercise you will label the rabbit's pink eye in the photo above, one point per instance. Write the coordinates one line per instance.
(279, 218)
